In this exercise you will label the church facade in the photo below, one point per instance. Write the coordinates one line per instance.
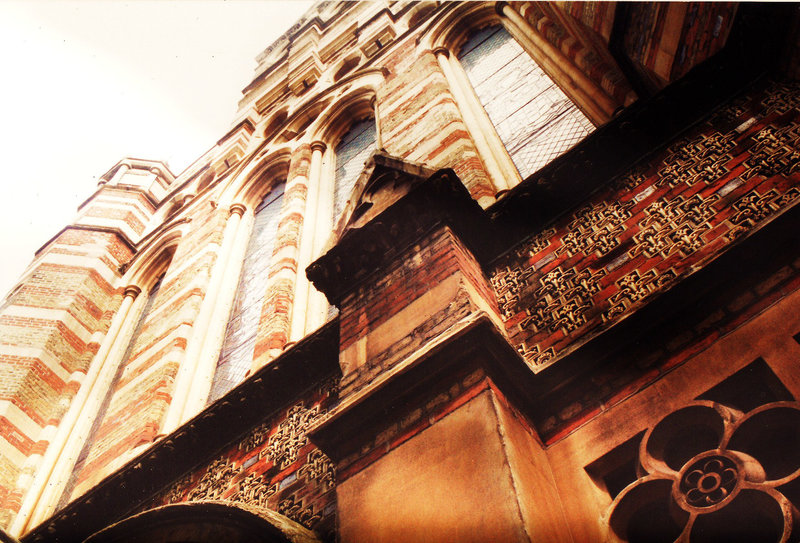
(479, 271)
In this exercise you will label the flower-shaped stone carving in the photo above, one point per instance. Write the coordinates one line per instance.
(710, 473)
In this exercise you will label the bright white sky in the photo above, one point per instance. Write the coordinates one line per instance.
(85, 83)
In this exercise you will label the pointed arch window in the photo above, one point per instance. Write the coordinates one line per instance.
(236, 356)
(534, 119)
(351, 153)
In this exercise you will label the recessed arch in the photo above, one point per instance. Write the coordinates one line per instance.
(304, 117)
(153, 258)
(451, 28)
(419, 13)
(314, 115)
(205, 522)
(263, 180)
(205, 179)
(257, 178)
(351, 108)
(274, 124)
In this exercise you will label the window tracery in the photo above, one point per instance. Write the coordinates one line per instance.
(708, 472)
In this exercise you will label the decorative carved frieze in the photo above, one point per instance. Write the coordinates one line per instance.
(291, 435)
(318, 468)
(634, 287)
(775, 152)
(214, 482)
(596, 228)
(627, 183)
(292, 507)
(534, 355)
(754, 207)
(536, 243)
(674, 225)
(781, 98)
(699, 159)
(255, 490)
(178, 489)
(254, 438)
(508, 285)
(562, 300)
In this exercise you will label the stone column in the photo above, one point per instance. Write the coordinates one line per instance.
(190, 382)
(215, 333)
(473, 115)
(275, 328)
(324, 174)
(426, 369)
(378, 137)
(73, 430)
(305, 246)
(317, 220)
(485, 124)
(592, 99)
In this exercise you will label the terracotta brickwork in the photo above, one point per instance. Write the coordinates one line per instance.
(143, 390)
(655, 226)
(49, 330)
(421, 123)
(427, 289)
(273, 466)
(671, 50)
(275, 323)
(481, 320)
(599, 16)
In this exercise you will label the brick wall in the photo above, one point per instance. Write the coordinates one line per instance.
(645, 233)
(142, 391)
(274, 466)
(50, 328)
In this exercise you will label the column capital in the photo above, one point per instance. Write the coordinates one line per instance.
(441, 50)
(318, 146)
(237, 209)
(132, 290)
(499, 6)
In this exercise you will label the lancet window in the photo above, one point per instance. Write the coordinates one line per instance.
(533, 117)
(236, 356)
(351, 153)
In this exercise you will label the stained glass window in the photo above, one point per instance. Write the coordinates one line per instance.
(535, 120)
(236, 356)
(351, 154)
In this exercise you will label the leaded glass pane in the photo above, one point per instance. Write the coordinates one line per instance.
(351, 154)
(535, 120)
(236, 356)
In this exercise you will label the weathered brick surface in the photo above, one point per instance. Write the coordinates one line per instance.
(274, 466)
(654, 226)
(45, 329)
(420, 122)
(276, 314)
(142, 392)
(640, 237)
